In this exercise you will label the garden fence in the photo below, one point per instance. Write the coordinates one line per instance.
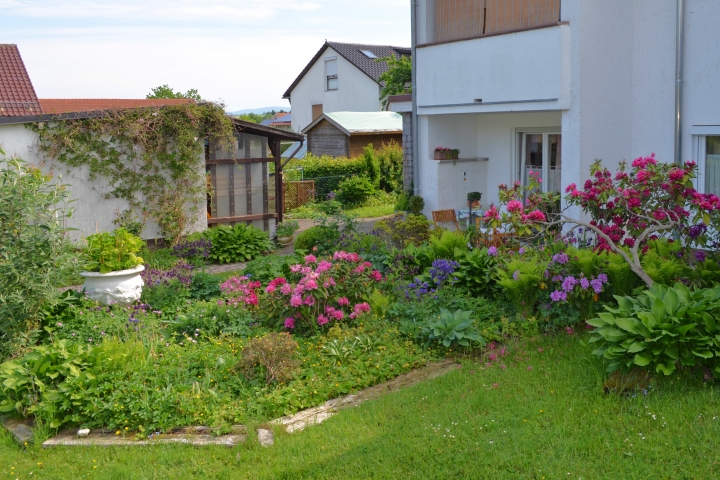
(300, 192)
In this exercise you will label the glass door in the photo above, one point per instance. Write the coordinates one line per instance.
(541, 153)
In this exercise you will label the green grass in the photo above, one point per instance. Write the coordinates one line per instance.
(552, 421)
(371, 212)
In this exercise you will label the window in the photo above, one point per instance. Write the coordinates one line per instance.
(540, 152)
(706, 149)
(331, 74)
(368, 53)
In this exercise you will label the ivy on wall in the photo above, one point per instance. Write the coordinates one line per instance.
(152, 157)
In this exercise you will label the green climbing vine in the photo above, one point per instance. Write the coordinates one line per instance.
(151, 157)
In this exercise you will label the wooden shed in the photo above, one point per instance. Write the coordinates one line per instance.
(345, 134)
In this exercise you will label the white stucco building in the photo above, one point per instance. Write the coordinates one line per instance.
(552, 85)
(341, 77)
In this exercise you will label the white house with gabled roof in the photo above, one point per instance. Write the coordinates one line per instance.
(341, 77)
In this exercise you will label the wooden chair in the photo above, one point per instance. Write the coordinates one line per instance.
(491, 237)
(445, 216)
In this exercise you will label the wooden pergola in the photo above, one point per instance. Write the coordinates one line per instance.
(243, 189)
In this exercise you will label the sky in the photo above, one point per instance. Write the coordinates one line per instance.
(244, 53)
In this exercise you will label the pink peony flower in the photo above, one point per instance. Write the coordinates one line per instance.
(311, 285)
(310, 259)
(376, 275)
(309, 300)
(289, 322)
(515, 206)
(322, 320)
(342, 301)
(296, 301)
(286, 289)
(323, 266)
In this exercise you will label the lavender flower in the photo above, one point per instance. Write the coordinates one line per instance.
(584, 283)
(700, 256)
(596, 285)
(569, 283)
(560, 258)
(492, 251)
(199, 248)
(558, 296)
(516, 274)
(697, 230)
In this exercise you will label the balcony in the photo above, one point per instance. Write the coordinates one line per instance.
(454, 20)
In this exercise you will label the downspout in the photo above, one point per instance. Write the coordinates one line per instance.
(414, 117)
(679, 64)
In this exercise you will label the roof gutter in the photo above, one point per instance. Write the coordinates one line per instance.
(679, 72)
(415, 160)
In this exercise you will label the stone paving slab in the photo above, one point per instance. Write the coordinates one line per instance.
(198, 436)
(21, 430)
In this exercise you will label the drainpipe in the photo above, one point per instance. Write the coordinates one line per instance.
(415, 158)
(679, 64)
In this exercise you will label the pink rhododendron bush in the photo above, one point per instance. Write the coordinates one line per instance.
(316, 295)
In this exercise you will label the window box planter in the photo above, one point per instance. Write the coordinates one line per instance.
(123, 287)
(446, 154)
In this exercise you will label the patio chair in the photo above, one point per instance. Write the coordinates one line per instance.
(445, 216)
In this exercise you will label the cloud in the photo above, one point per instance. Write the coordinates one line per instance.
(157, 10)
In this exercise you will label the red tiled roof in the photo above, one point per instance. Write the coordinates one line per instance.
(67, 105)
(17, 95)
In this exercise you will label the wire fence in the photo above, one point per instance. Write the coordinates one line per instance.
(299, 192)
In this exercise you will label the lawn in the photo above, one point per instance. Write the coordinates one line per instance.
(542, 416)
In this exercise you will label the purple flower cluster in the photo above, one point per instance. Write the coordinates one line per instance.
(700, 256)
(199, 248)
(561, 258)
(440, 272)
(697, 230)
(181, 272)
(569, 283)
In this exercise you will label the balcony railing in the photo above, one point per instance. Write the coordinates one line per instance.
(460, 19)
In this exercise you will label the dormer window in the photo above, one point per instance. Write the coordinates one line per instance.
(368, 53)
(331, 74)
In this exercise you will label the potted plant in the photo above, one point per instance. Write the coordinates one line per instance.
(285, 231)
(113, 268)
(473, 199)
(444, 153)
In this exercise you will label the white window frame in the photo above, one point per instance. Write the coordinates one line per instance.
(546, 132)
(699, 144)
(329, 77)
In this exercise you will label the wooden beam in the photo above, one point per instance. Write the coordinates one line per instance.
(239, 161)
(243, 218)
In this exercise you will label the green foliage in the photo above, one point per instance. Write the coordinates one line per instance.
(165, 296)
(153, 157)
(165, 91)
(355, 190)
(129, 221)
(390, 161)
(267, 268)
(34, 252)
(449, 245)
(663, 262)
(520, 279)
(453, 329)
(475, 273)
(622, 280)
(660, 329)
(204, 286)
(321, 237)
(159, 258)
(397, 79)
(403, 230)
(259, 117)
(111, 252)
(239, 243)
(416, 204)
(372, 165)
(402, 204)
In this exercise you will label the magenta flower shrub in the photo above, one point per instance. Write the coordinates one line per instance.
(239, 291)
(319, 293)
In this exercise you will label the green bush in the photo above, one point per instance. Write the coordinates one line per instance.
(322, 237)
(270, 267)
(402, 205)
(237, 244)
(355, 190)
(520, 278)
(403, 230)
(161, 258)
(416, 204)
(475, 274)
(165, 296)
(35, 254)
(372, 165)
(390, 160)
(661, 329)
(204, 286)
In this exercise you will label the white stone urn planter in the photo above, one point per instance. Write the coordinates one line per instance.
(123, 287)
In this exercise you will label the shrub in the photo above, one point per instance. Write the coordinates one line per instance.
(403, 230)
(660, 329)
(355, 190)
(167, 289)
(320, 293)
(416, 204)
(390, 160)
(204, 286)
(271, 356)
(34, 251)
(475, 273)
(372, 166)
(237, 244)
(402, 204)
(159, 259)
(317, 238)
(264, 269)
(520, 278)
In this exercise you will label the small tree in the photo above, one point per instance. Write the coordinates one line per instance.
(165, 91)
(397, 79)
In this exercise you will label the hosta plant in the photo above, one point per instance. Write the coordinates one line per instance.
(661, 329)
(237, 244)
(452, 329)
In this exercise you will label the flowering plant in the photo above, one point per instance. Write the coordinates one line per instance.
(240, 291)
(570, 287)
(320, 292)
(632, 207)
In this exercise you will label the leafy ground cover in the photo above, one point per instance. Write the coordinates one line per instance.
(544, 415)
(371, 212)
